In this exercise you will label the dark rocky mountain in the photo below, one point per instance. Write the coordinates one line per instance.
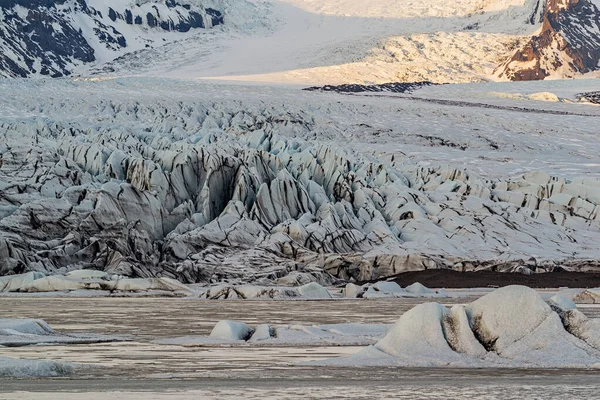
(50, 37)
(568, 44)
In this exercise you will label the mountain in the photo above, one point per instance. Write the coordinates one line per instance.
(267, 40)
(568, 44)
(51, 37)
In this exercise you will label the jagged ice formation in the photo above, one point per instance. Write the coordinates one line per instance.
(172, 179)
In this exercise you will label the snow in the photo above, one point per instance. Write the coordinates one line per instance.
(561, 302)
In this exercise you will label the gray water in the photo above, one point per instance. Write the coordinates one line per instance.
(140, 369)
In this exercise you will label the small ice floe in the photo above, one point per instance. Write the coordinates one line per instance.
(92, 280)
(17, 332)
(233, 333)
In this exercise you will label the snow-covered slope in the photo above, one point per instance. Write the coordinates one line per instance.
(568, 44)
(350, 41)
(301, 41)
(53, 37)
(157, 177)
(304, 41)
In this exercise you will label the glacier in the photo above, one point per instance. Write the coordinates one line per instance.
(208, 183)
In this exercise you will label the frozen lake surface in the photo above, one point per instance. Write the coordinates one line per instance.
(142, 369)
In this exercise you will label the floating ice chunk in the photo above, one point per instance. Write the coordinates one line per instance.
(510, 327)
(562, 303)
(87, 274)
(420, 289)
(10, 367)
(231, 330)
(13, 283)
(24, 326)
(314, 291)
(142, 285)
(506, 315)
(262, 332)
(26, 332)
(352, 290)
(588, 296)
(582, 327)
(550, 345)
(419, 337)
(371, 293)
(54, 283)
(388, 287)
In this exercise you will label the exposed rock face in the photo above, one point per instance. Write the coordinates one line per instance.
(51, 37)
(568, 44)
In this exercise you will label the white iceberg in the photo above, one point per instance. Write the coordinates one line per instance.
(510, 327)
(262, 332)
(419, 289)
(13, 283)
(231, 330)
(352, 291)
(314, 291)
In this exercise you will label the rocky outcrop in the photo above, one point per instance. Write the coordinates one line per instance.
(567, 44)
(51, 38)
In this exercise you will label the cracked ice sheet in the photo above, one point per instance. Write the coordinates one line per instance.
(563, 145)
